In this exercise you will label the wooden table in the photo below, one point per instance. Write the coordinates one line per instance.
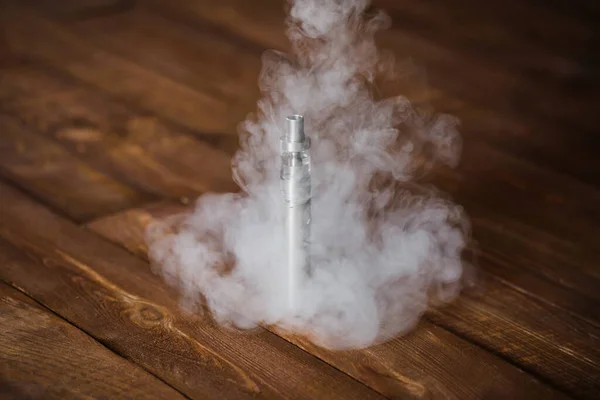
(115, 113)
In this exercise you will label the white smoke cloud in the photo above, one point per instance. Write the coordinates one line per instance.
(382, 249)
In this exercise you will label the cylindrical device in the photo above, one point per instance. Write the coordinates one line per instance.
(296, 191)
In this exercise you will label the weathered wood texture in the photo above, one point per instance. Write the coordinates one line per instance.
(66, 182)
(487, 316)
(113, 296)
(497, 168)
(139, 149)
(467, 75)
(66, 49)
(105, 105)
(44, 357)
(514, 188)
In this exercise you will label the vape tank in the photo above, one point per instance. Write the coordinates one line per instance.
(296, 191)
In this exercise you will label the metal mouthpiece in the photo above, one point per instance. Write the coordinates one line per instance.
(295, 128)
(294, 140)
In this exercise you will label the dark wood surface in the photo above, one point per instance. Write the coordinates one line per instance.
(114, 113)
(44, 356)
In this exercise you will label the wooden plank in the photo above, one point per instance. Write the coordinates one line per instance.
(72, 8)
(481, 124)
(508, 94)
(528, 48)
(113, 296)
(507, 242)
(424, 364)
(43, 356)
(545, 142)
(128, 25)
(542, 339)
(260, 22)
(60, 179)
(493, 319)
(482, 31)
(550, 91)
(131, 27)
(137, 85)
(127, 228)
(139, 149)
(203, 58)
(141, 21)
(497, 187)
(528, 260)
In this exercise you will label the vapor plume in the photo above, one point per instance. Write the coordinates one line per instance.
(382, 250)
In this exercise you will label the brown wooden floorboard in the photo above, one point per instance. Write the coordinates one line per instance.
(460, 75)
(499, 182)
(43, 356)
(205, 60)
(137, 148)
(113, 296)
(514, 261)
(59, 178)
(477, 126)
(493, 315)
(143, 324)
(108, 104)
(131, 26)
(203, 111)
(546, 140)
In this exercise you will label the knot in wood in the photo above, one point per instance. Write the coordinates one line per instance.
(145, 314)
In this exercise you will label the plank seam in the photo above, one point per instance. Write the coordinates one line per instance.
(545, 301)
(8, 179)
(235, 38)
(446, 328)
(184, 131)
(12, 181)
(261, 327)
(501, 356)
(90, 336)
(203, 25)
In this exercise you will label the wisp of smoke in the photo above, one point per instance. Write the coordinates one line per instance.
(381, 251)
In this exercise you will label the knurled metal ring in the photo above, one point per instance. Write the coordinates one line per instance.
(294, 147)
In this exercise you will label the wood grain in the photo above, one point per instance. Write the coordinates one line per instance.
(539, 66)
(137, 148)
(62, 180)
(523, 204)
(535, 51)
(44, 357)
(519, 249)
(182, 42)
(513, 262)
(544, 340)
(103, 103)
(128, 228)
(126, 31)
(154, 93)
(199, 57)
(413, 362)
(459, 76)
(499, 191)
(69, 9)
(114, 297)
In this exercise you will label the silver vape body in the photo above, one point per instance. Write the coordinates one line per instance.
(296, 191)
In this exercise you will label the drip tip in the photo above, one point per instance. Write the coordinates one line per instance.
(295, 129)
